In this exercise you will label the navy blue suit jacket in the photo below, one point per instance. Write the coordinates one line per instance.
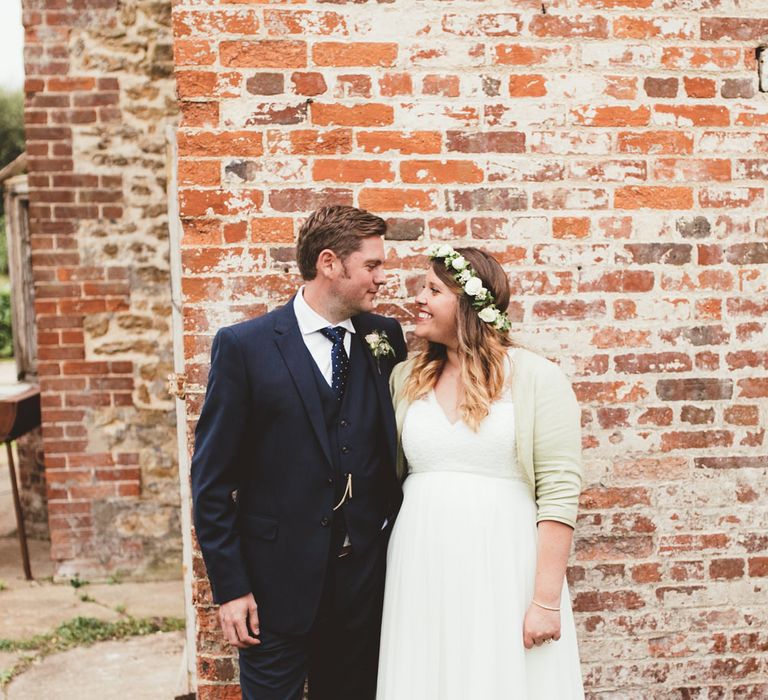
(262, 434)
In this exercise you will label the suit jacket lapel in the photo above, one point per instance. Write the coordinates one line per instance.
(297, 359)
(381, 383)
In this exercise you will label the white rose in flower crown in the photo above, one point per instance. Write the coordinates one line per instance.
(459, 263)
(489, 314)
(444, 250)
(465, 276)
(473, 286)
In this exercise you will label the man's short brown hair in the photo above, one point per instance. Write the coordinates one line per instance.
(337, 228)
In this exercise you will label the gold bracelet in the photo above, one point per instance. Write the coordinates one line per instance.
(546, 607)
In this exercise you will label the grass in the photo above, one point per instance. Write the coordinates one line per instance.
(81, 631)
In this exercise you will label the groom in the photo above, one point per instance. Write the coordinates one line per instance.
(293, 475)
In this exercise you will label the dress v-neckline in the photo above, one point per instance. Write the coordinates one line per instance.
(453, 424)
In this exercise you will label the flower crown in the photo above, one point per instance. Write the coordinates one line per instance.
(468, 280)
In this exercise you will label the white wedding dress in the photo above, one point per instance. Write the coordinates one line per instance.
(460, 571)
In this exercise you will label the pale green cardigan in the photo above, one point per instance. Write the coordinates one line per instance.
(547, 432)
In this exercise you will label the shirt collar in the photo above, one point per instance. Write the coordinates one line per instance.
(310, 321)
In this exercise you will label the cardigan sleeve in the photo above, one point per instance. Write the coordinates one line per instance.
(556, 447)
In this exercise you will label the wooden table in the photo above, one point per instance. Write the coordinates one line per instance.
(19, 413)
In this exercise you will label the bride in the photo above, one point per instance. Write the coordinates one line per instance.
(476, 604)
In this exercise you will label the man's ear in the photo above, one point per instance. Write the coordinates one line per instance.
(327, 263)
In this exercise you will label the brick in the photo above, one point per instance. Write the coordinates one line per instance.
(638, 27)
(526, 55)
(485, 142)
(732, 88)
(570, 227)
(486, 199)
(660, 87)
(394, 84)
(402, 229)
(348, 170)
(693, 227)
(197, 83)
(653, 198)
(734, 29)
(194, 53)
(646, 363)
(311, 84)
(220, 143)
(443, 172)
(569, 27)
(495, 24)
(700, 58)
(747, 254)
(395, 200)
(742, 415)
(655, 142)
(692, 115)
(570, 310)
(263, 54)
(363, 54)
(216, 22)
(199, 114)
(753, 388)
(281, 22)
(686, 169)
(697, 416)
(737, 197)
(611, 115)
(442, 85)
(353, 86)
(293, 200)
(352, 115)
(527, 86)
(619, 281)
(703, 88)
(702, 439)
(265, 84)
(311, 142)
(694, 389)
(406, 143)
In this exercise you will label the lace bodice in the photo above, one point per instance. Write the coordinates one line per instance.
(432, 443)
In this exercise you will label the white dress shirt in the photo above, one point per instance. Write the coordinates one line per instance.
(310, 324)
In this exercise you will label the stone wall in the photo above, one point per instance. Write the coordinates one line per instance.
(613, 154)
(99, 95)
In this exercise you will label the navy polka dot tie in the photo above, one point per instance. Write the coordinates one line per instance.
(339, 359)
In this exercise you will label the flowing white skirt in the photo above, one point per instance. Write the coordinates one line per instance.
(460, 575)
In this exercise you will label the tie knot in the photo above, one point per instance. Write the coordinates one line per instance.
(334, 333)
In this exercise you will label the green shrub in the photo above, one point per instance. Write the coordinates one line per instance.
(6, 333)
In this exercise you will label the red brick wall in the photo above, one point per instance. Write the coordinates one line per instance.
(98, 222)
(613, 155)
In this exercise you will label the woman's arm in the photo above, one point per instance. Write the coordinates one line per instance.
(554, 546)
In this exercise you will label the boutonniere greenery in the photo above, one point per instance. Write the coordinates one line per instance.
(379, 345)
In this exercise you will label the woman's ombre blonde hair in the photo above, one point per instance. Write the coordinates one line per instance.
(482, 350)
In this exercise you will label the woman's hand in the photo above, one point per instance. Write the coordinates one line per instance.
(540, 626)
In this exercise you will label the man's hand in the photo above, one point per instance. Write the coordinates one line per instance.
(540, 626)
(233, 616)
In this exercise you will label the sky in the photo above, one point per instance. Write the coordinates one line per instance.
(11, 45)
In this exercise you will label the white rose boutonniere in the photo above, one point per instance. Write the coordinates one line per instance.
(378, 344)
